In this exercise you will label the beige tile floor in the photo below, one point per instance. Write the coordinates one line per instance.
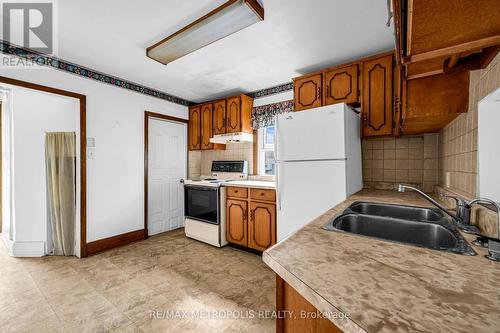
(118, 290)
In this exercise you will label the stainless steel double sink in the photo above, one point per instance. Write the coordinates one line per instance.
(418, 226)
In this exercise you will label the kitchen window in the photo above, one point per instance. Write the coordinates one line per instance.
(267, 160)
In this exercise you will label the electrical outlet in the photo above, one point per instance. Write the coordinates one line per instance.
(91, 153)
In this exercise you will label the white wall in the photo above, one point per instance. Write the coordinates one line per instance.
(488, 139)
(34, 113)
(115, 118)
(284, 96)
(6, 168)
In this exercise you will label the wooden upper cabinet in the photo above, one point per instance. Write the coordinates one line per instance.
(308, 92)
(219, 117)
(236, 221)
(229, 115)
(233, 115)
(206, 126)
(262, 226)
(194, 128)
(430, 103)
(377, 96)
(435, 37)
(341, 85)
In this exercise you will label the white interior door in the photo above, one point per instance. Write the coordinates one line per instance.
(167, 158)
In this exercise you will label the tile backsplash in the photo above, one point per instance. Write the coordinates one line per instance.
(200, 162)
(458, 140)
(411, 160)
(194, 163)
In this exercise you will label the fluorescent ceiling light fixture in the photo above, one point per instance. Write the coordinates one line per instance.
(223, 21)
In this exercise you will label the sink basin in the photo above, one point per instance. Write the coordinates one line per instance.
(422, 234)
(397, 211)
(416, 226)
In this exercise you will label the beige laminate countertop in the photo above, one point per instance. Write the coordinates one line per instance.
(385, 286)
(252, 183)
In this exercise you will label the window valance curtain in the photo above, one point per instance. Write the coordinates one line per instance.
(263, 116)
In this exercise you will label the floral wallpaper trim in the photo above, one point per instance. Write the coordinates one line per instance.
(56, 63)
(272, 90)
(264, 115)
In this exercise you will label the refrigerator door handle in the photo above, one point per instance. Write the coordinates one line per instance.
(278, 187)
(277, 157)
(276, 144)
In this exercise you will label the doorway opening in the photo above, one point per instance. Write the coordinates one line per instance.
(50, 102)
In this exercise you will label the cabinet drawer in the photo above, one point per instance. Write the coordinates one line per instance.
(237, 192)
(264, 195)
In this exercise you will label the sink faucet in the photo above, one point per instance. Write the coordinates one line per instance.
(493, 244)
(403, 188)
(463, 217)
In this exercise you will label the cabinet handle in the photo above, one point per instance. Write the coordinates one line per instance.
(327, 90)
(245, 212)
(252, 215)
(235, 191)
(319, 92)
(365, 118)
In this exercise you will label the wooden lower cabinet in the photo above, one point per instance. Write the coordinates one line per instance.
(305, 317)
(251, 217)
(236, 221)
(261, 226)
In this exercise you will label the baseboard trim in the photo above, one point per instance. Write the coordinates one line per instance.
(27, 249)
(115, 241)
(8, 243)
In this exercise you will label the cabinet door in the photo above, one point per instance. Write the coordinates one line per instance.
(307, 92)
(219, 118)
(233, 115)
(206, 126)
(194, 128)
(288, 299)
(341, 85)
(377, 96)
(236, 221)
(262, 226)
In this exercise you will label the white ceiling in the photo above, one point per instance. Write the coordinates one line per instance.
(297, 36)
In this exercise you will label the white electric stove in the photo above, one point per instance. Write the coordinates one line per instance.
(205, 207)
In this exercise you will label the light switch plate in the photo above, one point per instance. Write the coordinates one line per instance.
(91, 142)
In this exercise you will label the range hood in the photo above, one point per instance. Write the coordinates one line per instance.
(232, 137)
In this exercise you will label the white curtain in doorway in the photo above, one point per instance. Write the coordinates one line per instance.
(60, 157)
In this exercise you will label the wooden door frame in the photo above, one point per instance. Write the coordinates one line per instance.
(147, 116)
(83, 147)
(1, 169)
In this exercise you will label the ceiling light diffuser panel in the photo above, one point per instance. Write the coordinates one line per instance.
(223, 21)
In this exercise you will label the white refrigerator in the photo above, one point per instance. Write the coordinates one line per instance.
(318, 156)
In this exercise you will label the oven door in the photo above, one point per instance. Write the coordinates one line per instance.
(202, 203)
